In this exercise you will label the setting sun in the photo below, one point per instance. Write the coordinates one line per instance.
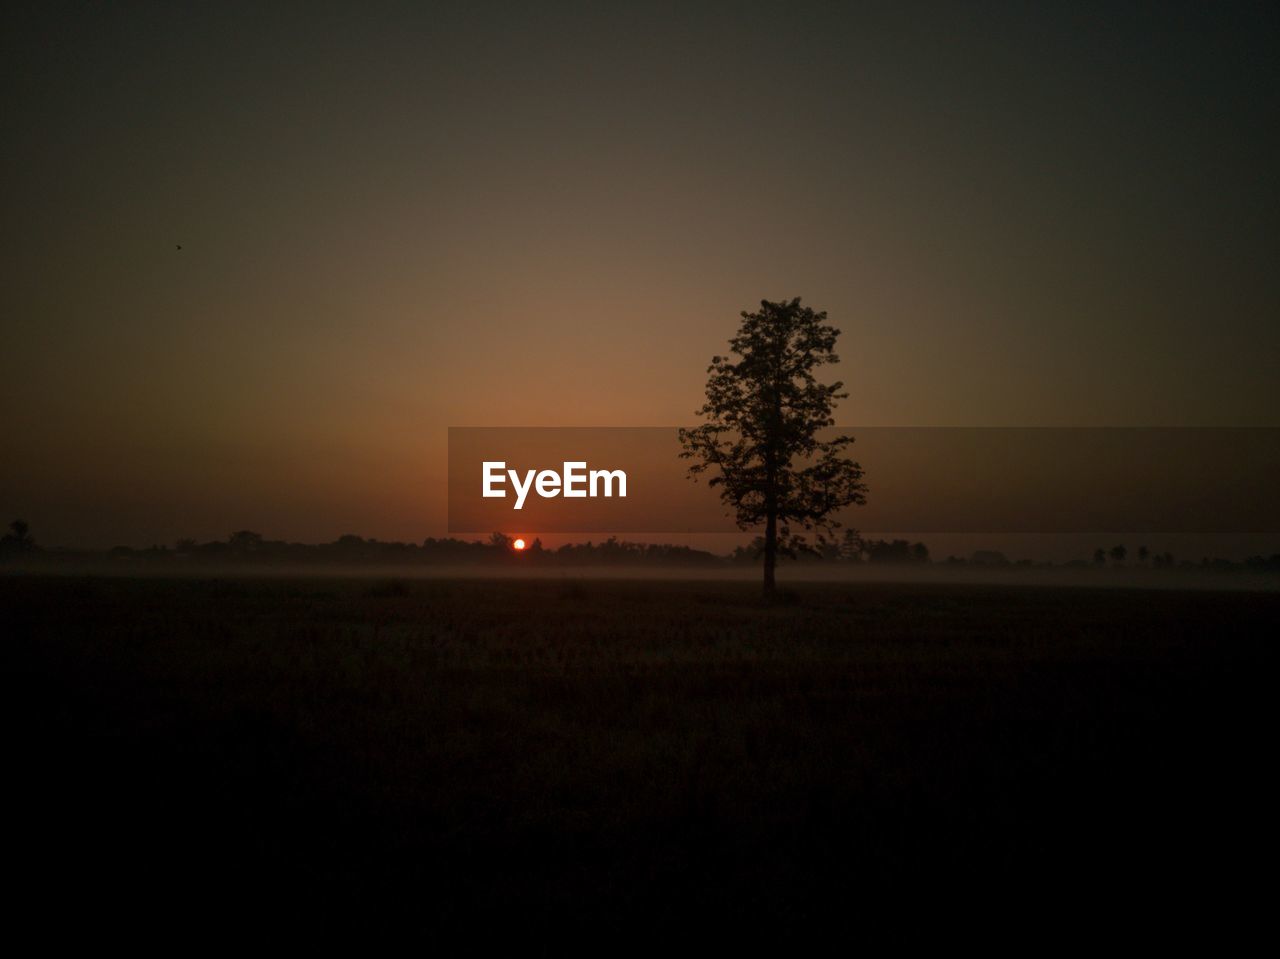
(517, 544)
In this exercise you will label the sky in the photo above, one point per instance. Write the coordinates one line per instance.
(397, 218)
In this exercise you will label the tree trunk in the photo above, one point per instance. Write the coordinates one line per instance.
(770, 551)
(771, 463)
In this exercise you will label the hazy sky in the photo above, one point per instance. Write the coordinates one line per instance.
(397, 218)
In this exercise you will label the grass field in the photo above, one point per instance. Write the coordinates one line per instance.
(623, 749)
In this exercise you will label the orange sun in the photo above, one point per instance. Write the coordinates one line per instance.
(517, 544)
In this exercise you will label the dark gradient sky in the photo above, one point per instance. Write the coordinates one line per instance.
(396, 218)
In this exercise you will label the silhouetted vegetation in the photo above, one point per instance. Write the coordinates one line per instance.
(759, 445)
(18, 540)
(249, 549)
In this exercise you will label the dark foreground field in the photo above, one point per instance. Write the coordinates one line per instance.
(633, 750)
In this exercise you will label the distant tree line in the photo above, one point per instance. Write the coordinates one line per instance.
(246, 547)
(849, 548)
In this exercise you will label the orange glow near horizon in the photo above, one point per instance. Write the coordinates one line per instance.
(517, 544)
(306, 291)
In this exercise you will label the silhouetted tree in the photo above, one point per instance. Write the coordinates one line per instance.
(825, 549)
(1118, 553)
(18, 539)
(898, 551)
(1099, 557)
(245, 541)
(763, 413)
(21, 534)
(851, 546)
(1143, 553)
